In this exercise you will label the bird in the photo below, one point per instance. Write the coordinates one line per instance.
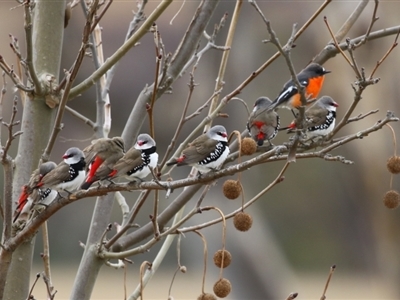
(320, 117)
(136, 163)
(29, 194)
(68, 175)
(263, 126)
(207, 152)
(311, 78)
(101, 157)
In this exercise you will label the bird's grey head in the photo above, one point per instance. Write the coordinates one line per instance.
(328, 102)
(46, 167)
(73, 155)
(262, 102)
(218, 133)
(144, 141)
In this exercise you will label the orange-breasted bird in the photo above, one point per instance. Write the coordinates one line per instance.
(312, 78)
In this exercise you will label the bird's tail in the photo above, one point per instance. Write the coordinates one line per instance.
(86, 184)
(170, 163)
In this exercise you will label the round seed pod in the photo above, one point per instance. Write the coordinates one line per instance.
(242, 221)
(393, 164)
(222, 288)
(231, 189)
(391, 199)
(248, 146)
(206, 296)
(218, 258)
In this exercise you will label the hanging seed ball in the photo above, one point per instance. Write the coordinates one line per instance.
(248, 146)
(206, 296)
(242, 221)
(218, 258)
(222, 288)
(232, 189)
(393, 164)
(391, 199)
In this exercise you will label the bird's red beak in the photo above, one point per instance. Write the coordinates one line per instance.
(65, 156)
(335, 104)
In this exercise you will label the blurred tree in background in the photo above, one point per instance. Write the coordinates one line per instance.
(83, 70)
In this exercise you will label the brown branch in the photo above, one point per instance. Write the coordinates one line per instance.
(159, 55)
(14, 77)
(269, 156)
(362, 116)
(29, 48)
(348, 24)
(155, 215)
(373, 20)
(81, 117)
(394, 45)
(46, 259)
(10, 126)
(101, 15)
(336, 43)
(180, 123)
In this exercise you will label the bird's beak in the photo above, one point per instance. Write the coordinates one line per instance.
(327, 71)
(335, 104)
(65, 156)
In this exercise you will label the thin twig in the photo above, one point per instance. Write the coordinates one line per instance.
(88, 82)
(155, 215)
(159, 55)
(224, 59)
(332, 269)
(336, 42)
(181, 121)
(373, 20)
(46, 257)
(277, 180)
(144, 265)
(101, 15)
(14, 78)
(81, 117)
(10, 126)
(29, 48)
(128, 225)
(205, 256)
(362, 116)
(33, 286)
(394, 45)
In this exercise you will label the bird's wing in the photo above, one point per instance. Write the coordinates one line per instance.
(57, 175)
(129, 161)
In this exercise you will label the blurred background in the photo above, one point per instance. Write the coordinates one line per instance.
(324, 213)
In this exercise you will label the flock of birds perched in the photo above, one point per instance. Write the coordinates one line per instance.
(106, 159)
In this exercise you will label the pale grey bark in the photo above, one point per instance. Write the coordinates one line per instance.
(47, 37)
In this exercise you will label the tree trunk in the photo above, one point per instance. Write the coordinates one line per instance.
(47, 37)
